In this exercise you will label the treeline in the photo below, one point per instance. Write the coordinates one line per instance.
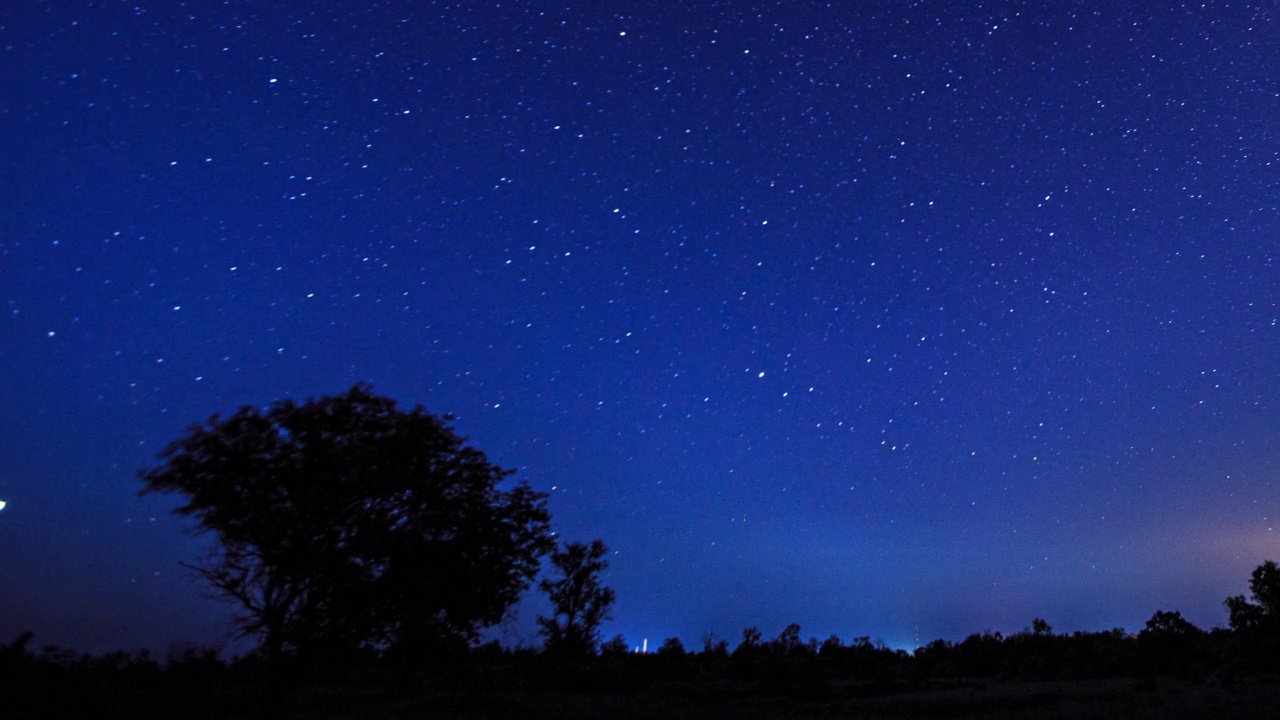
(1168, 646)
(21, 662)
(498, 681)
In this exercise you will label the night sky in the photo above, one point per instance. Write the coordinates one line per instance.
(899, 319)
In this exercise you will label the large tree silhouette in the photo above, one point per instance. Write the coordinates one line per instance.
(346, 521)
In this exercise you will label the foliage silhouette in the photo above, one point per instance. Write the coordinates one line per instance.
(581, 603)
(1263, 606)
(750, 640)
(788, 641)
(713, 646)
(1256, 620)
(1172, 645)
(1041, 627)
(346, 522)
(1169, 624)
(672, 647)
(617, 645)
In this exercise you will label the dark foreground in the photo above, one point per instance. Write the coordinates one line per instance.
(1072, 699)
(477, 698)
(1033, 674)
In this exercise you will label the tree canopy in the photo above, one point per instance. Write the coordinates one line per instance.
(346, 521)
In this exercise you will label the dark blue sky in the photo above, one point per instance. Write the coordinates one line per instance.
(900, 319)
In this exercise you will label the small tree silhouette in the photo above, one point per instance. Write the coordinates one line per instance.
(671, 647)
(1168, 624)
(617, 645)
(788, 641)
(750, 640)
(581, 603)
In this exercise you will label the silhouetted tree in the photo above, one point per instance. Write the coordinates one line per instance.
(671, 647)
(831, 646)
(1168, 624)
(788, 641)
(1171, 644)
(713, 646)
(1256, 621)
(581, 603)
(617, 645)
(193, 660)
(17, 650)
(750, 640)
(346, 521)
(16, 657)
(708, 641)
(1263, 607)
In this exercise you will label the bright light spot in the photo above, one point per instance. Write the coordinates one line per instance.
(2, 504)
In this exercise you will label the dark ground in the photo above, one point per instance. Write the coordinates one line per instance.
(478, 698)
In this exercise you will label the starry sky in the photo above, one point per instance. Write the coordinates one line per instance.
(899, 319)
